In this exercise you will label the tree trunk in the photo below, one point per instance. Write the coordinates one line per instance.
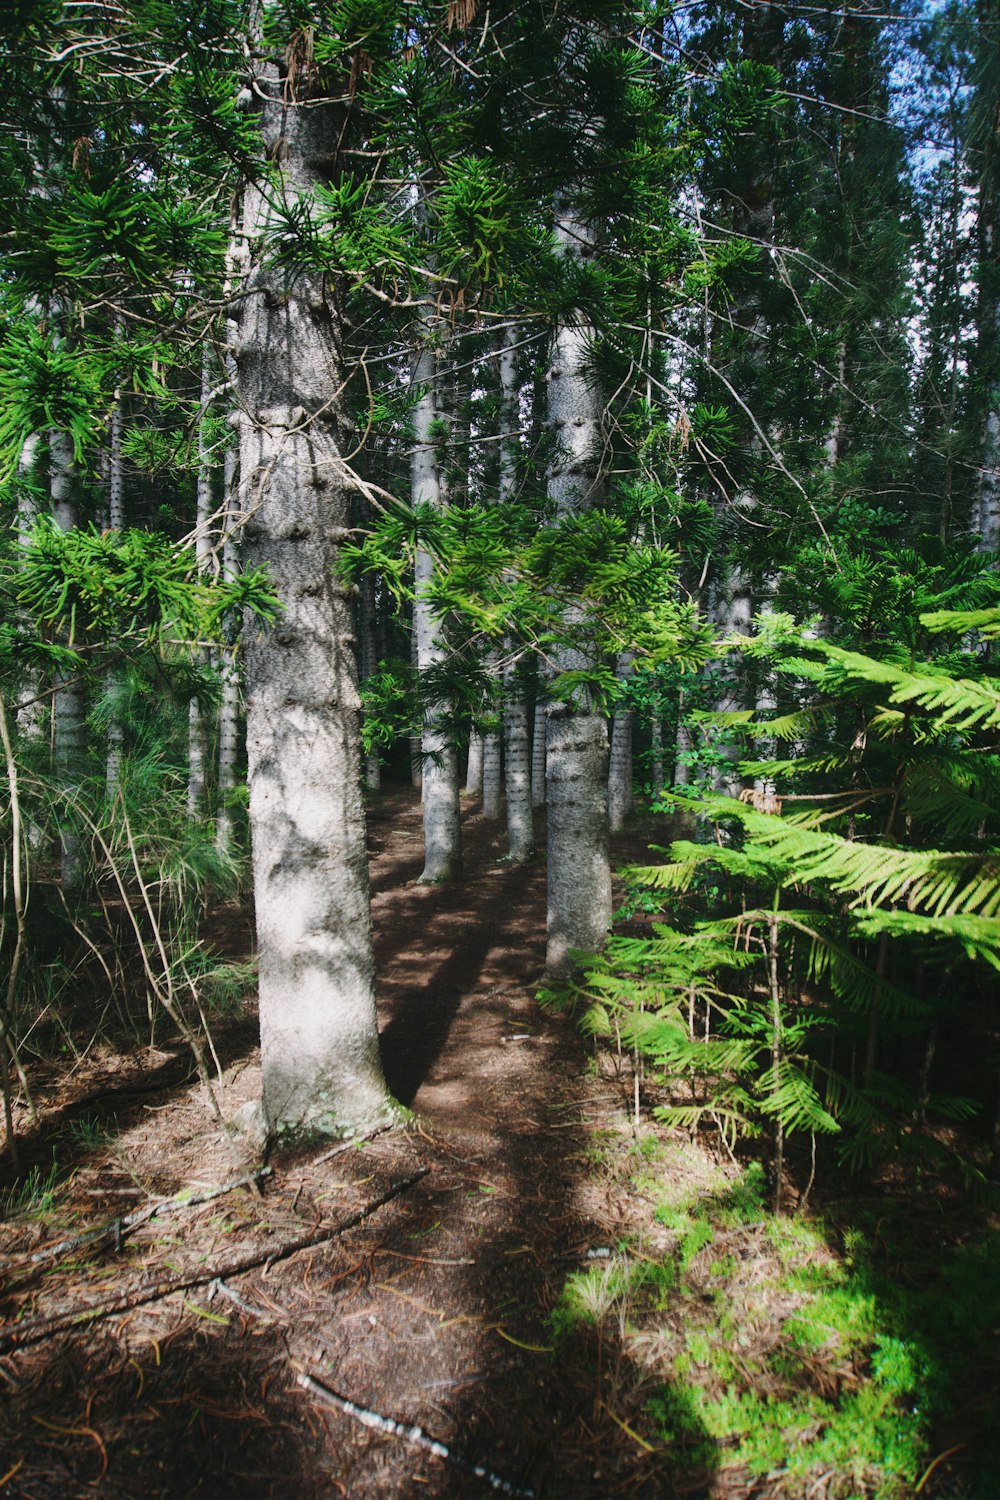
(197, 788)
(439, 756)
(474, 767)
(538, 738)
(319, 1035)
(520, 823)
(620, 801)
(116, 521)
(492, 778)
(229, 706)
(69, 710)
(368, 662)
(579, 872)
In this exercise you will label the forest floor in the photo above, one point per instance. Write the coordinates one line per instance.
(245, 1345)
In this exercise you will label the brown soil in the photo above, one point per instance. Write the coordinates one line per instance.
(431, 1311)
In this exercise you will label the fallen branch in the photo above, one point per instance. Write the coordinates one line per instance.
(35, 1330)
(117, 1229)
(415, 1435)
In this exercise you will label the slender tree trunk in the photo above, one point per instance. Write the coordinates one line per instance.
(116, 521)
(520, 823)
(538, 738)
(442, 809)
(69, 707)
(474, 766)
(579, 871)
(492, 775)
(319, 1035)
(656, 741)
(368, 659)
(516, 743)
(620, 800)
(229, 672)
(197, 789)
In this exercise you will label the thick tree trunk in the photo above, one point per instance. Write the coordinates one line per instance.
(319, 1035)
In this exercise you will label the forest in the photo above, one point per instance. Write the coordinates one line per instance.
(500, 884)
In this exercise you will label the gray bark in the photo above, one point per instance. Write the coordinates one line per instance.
(116, 521)
(474, 765)
(517, 759)
(620, 800)
(319, 1036)
(579, 872)
(656, 740)
(229, 706)
(439, 757)
(540, 731)
(197, 788)
(492, 780)
(368, 662)
(69, 707)
(516, 743)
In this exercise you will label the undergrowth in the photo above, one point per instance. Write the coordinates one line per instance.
(788, 1356)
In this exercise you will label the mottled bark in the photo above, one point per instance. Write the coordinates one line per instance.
(319, 1036)
(492, 777)
(197, 788)
(620, 800)
(579, 873)
(517, 761)
(656, 743)
(69, 708)
(116, 520)
(539, 733)
(368, 662)
(474, 765)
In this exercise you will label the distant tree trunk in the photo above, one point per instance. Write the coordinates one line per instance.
(492, 779)
(69, 710)
(620, 801)
(579, 871)
(319, 1035)
(516, 741)
(439, 756)
(229, 706)
(657, 765)
(197, 788)
(539, 734)
(988, 299)
(368, 658)
(474, 767)
(116, 521)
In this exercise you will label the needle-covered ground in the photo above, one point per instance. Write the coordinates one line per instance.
(572, 1306)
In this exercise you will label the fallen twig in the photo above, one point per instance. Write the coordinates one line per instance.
(117, 1229)
(35, 1330)
(415, 1435)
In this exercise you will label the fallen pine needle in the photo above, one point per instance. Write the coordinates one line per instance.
(939, 1460)
(629, 1431)
(531, 1348)
(11, 1472)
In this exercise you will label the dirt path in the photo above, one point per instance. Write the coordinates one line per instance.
(433, 1311)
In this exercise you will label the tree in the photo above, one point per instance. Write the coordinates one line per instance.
(319, 1035)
